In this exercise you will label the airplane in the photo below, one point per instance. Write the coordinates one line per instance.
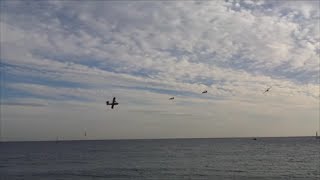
(267, 90)
(114, 103)
(172, 98)
(204, 91)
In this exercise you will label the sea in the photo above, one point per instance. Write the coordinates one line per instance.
(290, 158)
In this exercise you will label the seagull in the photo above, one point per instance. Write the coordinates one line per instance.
(172, 98)
(267, 90)
(204, 91)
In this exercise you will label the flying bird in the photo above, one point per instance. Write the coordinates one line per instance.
(267, 90)
(172, 98)
(114, 103)
(205, 91)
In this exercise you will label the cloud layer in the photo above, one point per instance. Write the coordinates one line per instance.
(65, 54)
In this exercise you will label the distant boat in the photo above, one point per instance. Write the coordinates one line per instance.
(254, 139)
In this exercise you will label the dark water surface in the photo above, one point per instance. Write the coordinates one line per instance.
(243, 158)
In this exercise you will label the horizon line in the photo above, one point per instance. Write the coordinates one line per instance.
(135, 139)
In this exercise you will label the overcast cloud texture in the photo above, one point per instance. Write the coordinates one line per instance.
(61, 60)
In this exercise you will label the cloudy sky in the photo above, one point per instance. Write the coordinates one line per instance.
(61, 60)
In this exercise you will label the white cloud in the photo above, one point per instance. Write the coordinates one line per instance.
(148, 51)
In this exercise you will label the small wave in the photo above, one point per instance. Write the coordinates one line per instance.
(15, 157)
(96, 150)
(66, 174)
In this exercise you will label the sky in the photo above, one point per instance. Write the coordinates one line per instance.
(62, 60)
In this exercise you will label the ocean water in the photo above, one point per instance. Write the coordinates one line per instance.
(227, 158)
